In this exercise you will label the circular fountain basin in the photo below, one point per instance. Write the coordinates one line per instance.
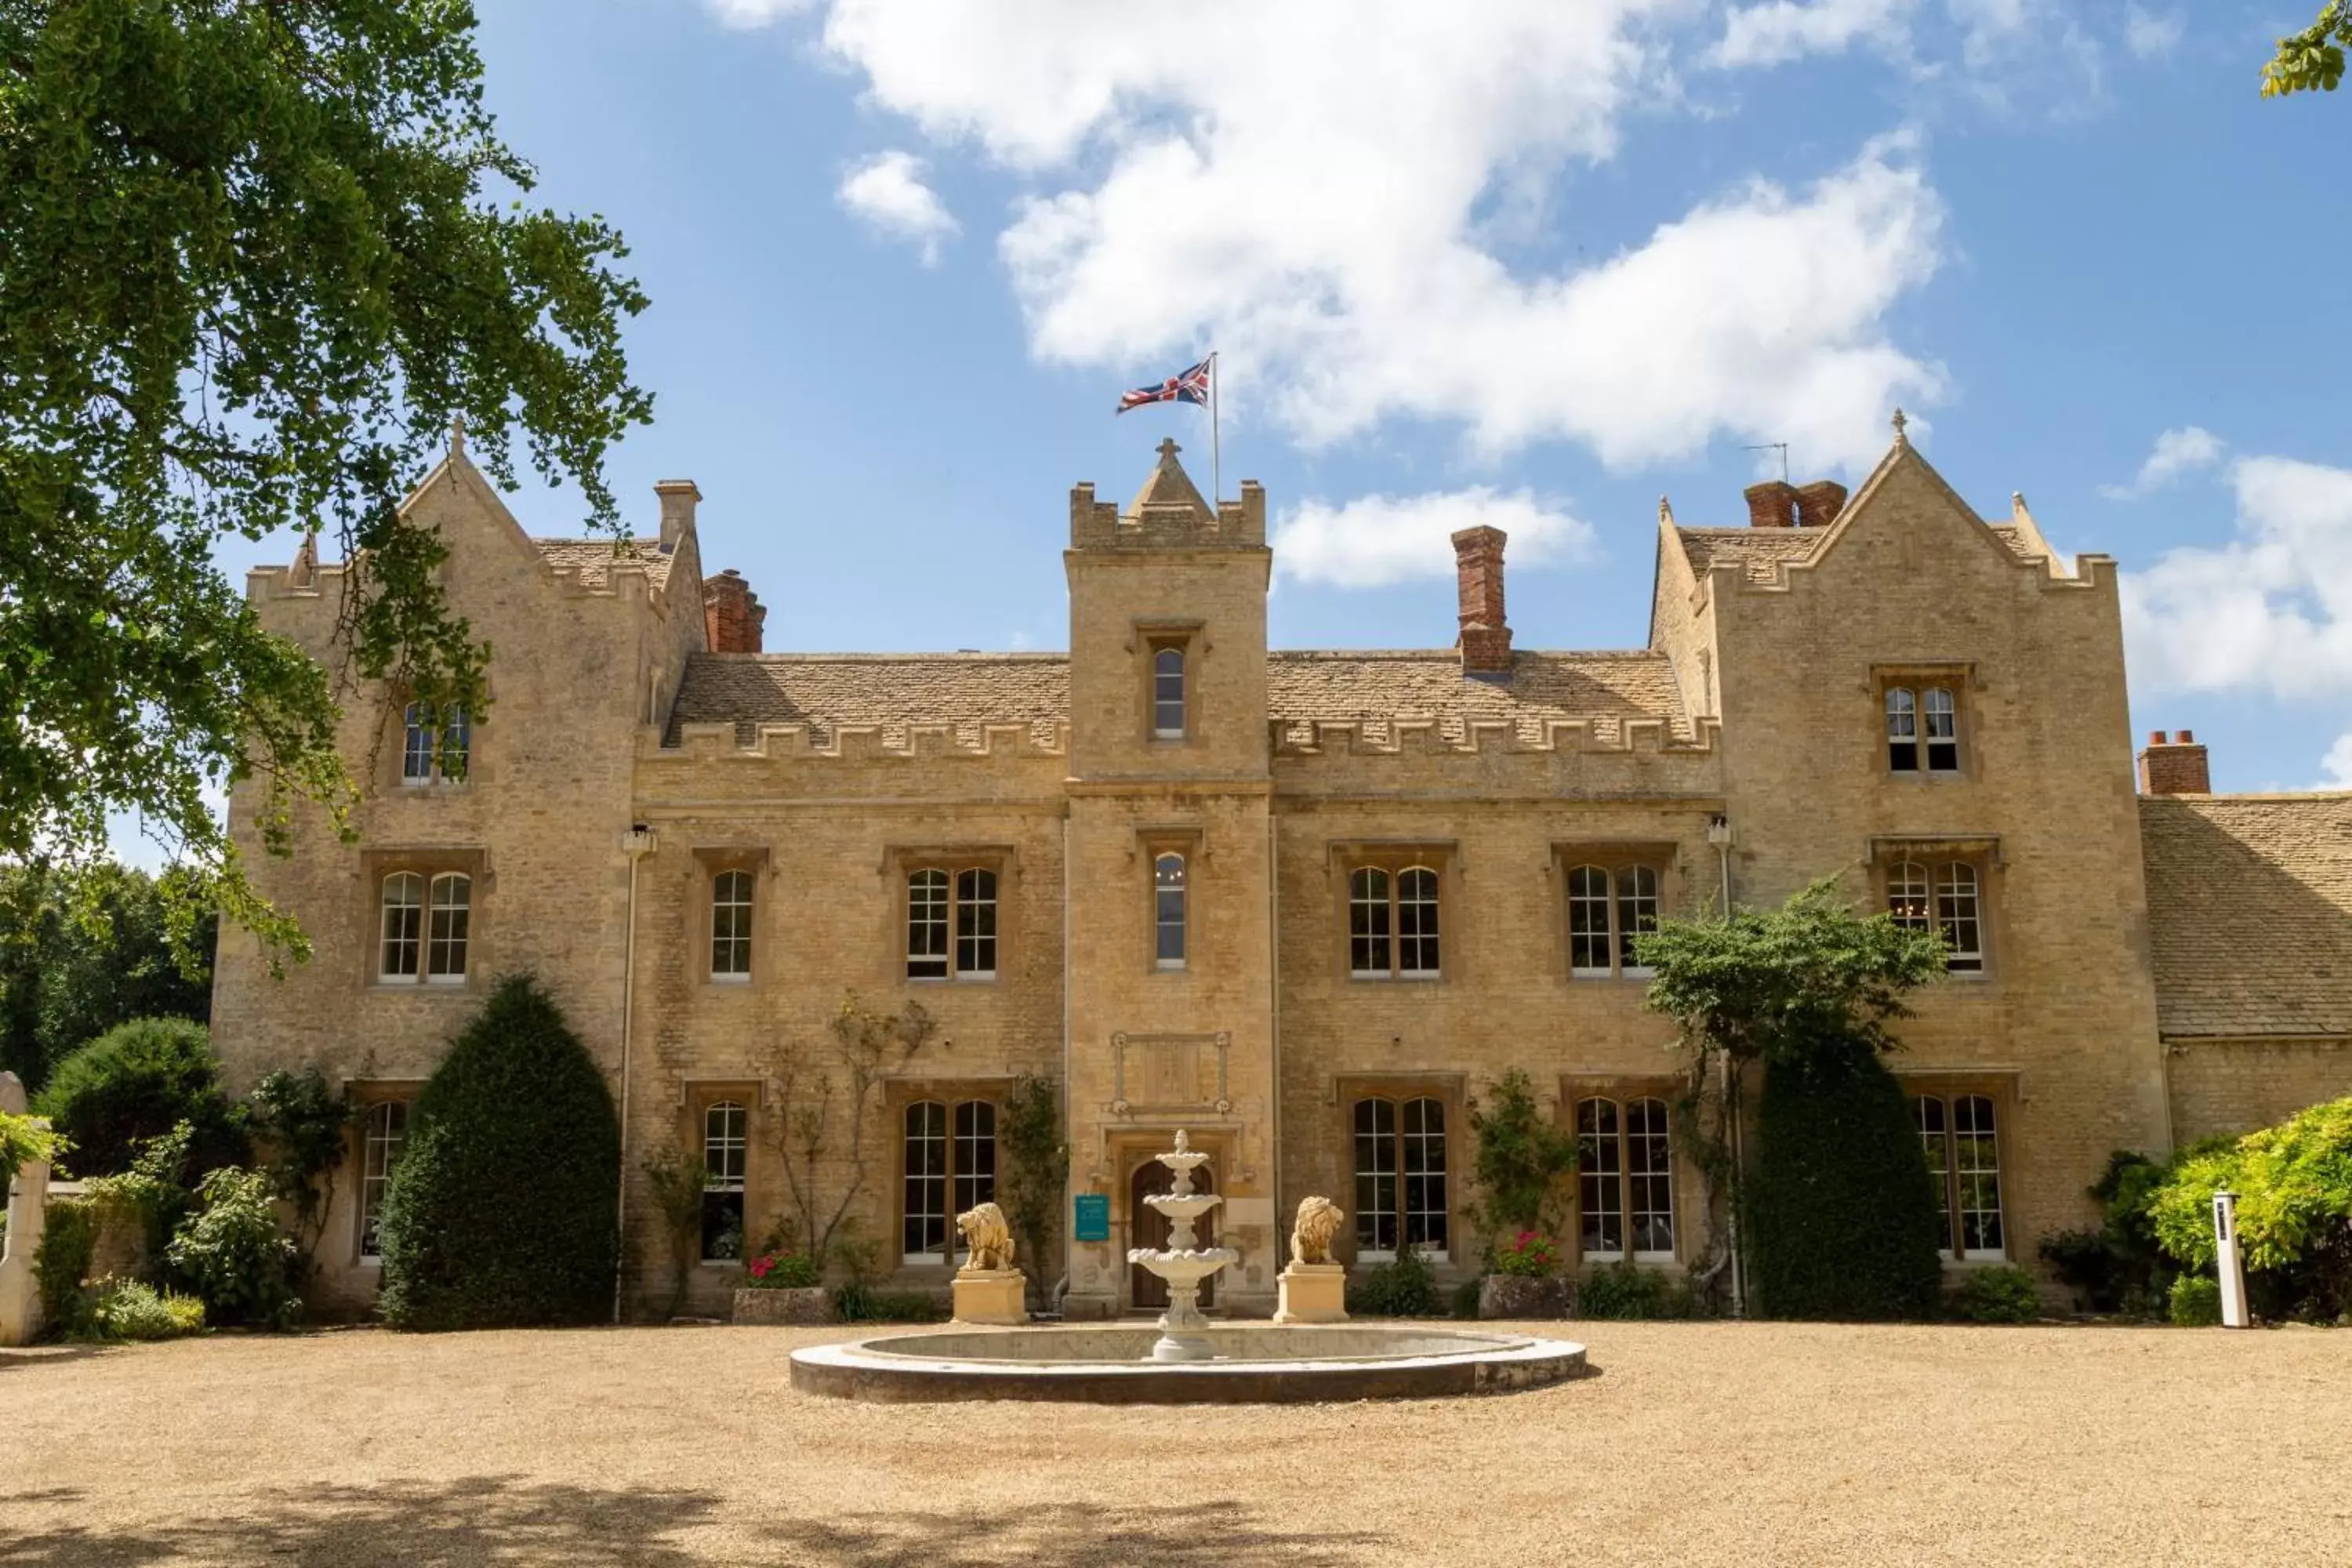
(1252, 1364)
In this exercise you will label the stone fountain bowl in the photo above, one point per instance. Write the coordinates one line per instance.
(1252, 1364)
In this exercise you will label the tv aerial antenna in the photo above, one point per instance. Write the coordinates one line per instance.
(1779, 447)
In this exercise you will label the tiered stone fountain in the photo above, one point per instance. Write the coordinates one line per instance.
(1183, 1332)
(1189, 1359)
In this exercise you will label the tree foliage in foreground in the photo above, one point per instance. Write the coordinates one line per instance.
(2312, 60)
(83, 949)
(1810, 987)
(255, 254)
(2294, 1183)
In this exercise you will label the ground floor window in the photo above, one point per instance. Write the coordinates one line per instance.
(950, 1164)
(1400, 1148)
(723, 1148)
(382, 1130)
(1962, 1145)
(1624, 1180)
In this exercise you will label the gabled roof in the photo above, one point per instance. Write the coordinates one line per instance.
(591, 559)
(2250, 912)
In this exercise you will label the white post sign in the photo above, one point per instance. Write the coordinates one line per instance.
(2226, 1257)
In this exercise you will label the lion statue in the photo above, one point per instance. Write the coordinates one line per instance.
(1311, 1236)
(987, 1237)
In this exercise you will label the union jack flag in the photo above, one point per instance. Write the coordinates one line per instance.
(1191, 386)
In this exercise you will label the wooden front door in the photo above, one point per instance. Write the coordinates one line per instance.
(1144, 1289)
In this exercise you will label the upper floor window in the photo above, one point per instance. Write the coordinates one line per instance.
(731, 926)
(951, 924)
(1923, 731)
(1944, 898)
(382, 1132)
(1168, 910)
(1624, 1180)
(723, 1150)
(424, 927)
(1168, 693)
(1963, 1150)
(1606, 910)
(1400, 1151)
(1392, 923)
(949, 1158)
(430, 754)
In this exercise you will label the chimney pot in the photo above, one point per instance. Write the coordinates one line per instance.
(1772, 504)
(2178, 767)
(677, 499)
(1486, 640)
(733, 615)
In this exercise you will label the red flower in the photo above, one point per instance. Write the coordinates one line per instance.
(760, 1265)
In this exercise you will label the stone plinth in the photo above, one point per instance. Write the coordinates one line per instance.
(999, 1295)
(1311, 1293)
(27, 1201)
(1519, 1296)
(805, 1304)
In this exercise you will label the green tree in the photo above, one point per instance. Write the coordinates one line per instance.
(2312, 60)
(2294, 1183)
(1522, 1161)
(256, 255)
(300, 1121)
(504, 1209)
(1035, 1174)
(83, 948)
(1813, 984)
(137, 1081)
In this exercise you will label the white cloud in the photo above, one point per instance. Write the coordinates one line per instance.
(1374, 541)
(887, 191)
(2338, 763)
(2151, 34)
(2271, 610)
(2177, 452)
(1784, 30)
(1304, 185)
(754, 13)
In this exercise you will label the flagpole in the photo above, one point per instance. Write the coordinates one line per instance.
(1216, 441)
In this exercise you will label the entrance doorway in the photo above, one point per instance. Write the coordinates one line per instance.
(1147, 1290)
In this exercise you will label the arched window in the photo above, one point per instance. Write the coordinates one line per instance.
(948, 1160)
(382, 1131)
(1907, 894)
(1943, 900)
(1943, 727)
(1589, 947)
(1902, 730)
(444, 947)
(731, 926)
(1167, 693)
(430, 754)
(404, 927)
(1963, 1151)
(723, 1149)
(1392, 923)
(1637, 911)
(962, 902)
(1624, 1180)
(1606, 910)
(1401, 1192)
(1168, 910)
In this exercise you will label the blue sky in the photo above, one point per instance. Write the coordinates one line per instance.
(1530, 261)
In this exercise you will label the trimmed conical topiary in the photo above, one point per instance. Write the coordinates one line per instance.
(502, 1211)
(1841, 1212)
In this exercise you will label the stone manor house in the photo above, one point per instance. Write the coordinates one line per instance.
(1304, 904)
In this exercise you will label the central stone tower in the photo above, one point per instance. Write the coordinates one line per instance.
(1171, 966)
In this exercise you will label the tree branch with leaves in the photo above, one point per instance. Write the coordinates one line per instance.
(864, 1048)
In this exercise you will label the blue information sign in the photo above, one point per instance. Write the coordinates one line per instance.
(1093, 1216)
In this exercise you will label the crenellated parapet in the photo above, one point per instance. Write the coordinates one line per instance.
(915, 743)
(1459, 737)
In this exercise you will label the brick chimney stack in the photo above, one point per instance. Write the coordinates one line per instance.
(1772, 504)
(677, 499)
(732, 614)
(2174, 767)
(1486, 641)
(1817, 503)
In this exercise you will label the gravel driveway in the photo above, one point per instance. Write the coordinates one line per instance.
(1695, 1443)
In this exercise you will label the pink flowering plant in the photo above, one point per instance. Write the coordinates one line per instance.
(782, 1271)
(1528, 1255)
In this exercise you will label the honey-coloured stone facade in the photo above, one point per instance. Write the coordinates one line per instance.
(1384, 869)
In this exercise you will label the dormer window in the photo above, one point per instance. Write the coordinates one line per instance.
(1168, 693)
(431, 754)
(1923, 729)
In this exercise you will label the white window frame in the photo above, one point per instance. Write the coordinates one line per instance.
(449, 928)
(960, 905)
(1162, 700)
(383, 1129)
(1922, 719)
(1405, 1216)
(961, 1131)
(410, 936)
(422, 765)
(733, 895)
(1387, 910)
(1965, 1162)
(1170, 911)
(1615, 1186)
(1947, 898)
(726, 1146)
(1621, 898)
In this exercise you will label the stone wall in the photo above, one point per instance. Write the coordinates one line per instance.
(2236, 1086)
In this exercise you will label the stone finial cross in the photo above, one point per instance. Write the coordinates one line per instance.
(1168, 449)
(1899, 423)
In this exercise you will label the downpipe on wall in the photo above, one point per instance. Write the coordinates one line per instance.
(636, 844)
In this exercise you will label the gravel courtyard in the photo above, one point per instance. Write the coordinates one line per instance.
(1694, 1443)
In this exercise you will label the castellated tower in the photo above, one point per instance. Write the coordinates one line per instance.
(1171, 957)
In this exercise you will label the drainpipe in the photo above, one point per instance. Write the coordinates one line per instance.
(1274, 1010)
(1719, 833)
(636, 844)
(1069, 1099)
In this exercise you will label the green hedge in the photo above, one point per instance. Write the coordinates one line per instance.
(1841, 1212)
(502, 1211)
(137, 1081)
